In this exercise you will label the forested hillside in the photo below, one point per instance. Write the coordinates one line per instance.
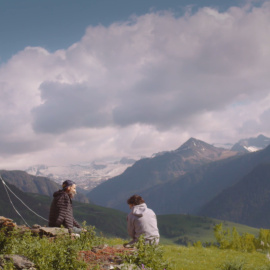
(246, 202)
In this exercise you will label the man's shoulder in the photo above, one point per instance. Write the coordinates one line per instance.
(60, 194)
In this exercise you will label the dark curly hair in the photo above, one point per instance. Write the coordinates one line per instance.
(135, 200)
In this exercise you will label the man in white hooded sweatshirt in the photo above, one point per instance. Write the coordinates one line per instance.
(141, 220)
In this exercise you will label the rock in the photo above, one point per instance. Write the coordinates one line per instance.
(19, 262)
(53, 231)
(8, 223)
(98, 248)
(127, 267)
(36, 226)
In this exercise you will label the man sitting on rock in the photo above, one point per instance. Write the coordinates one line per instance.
(61, 212)
(141, 221)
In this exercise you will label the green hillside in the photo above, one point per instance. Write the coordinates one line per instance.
(247, 202)
(174, 229)
(185, 229)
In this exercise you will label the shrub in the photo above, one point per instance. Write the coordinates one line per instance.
(61, 255)
(223, 237)
(232, 265)
(147, 256)
(232, 240)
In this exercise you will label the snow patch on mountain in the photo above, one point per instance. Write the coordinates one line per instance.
(86, 175)
(252, 148)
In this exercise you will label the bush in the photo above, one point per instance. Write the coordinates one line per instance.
(232, 240)
(232, 265)
(147, 256)
(61, 255)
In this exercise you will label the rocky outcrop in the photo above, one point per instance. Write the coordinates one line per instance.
(35, 229)
(19, 262)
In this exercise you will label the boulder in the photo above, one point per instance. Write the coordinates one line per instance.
(7, 222)
(19, 262)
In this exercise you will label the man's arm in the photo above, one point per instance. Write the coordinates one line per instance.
(76, 224)
(131, 228)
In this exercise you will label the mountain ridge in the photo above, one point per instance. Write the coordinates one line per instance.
(189, 193)
(251, 144)
(149, 172)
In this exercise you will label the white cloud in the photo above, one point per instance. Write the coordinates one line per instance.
(138, 87)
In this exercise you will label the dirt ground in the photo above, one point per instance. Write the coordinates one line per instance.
(105, 257)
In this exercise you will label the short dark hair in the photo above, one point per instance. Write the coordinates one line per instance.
(67, 184)
(135, 200)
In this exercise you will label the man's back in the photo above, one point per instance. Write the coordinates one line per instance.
(61, 210)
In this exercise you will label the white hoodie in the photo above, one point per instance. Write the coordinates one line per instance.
(142, 220)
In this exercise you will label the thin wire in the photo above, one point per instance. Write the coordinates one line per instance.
(12, 203)
(6, 186)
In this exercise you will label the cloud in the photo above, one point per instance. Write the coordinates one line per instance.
(160, 70)
(68, 107)
(142, 85)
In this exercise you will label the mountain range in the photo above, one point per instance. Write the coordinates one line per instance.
(189, 193)
(88, 175)
(187, 180)
(196, 178)
(150, 173)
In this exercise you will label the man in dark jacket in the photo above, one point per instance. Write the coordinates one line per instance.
(61, 212)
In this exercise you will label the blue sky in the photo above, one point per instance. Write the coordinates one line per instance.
(88, 80)
(58, 24)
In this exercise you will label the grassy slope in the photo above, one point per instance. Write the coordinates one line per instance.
(191, 258)
(212, 258)
(182, 229)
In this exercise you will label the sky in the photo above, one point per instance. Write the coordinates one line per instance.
(89, 80)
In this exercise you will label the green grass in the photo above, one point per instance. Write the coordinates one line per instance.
(63, 250)
(211, 258)
(191, 258)
(184, 229)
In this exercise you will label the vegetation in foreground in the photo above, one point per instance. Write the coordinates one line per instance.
(230, 251)
(63, 251)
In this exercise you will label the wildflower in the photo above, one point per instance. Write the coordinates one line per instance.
(262, 243)
(268, 256)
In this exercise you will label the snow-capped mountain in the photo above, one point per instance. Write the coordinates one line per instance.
(86, 175)
(251, 144)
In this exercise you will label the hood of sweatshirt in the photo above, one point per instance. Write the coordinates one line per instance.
(139, 210)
